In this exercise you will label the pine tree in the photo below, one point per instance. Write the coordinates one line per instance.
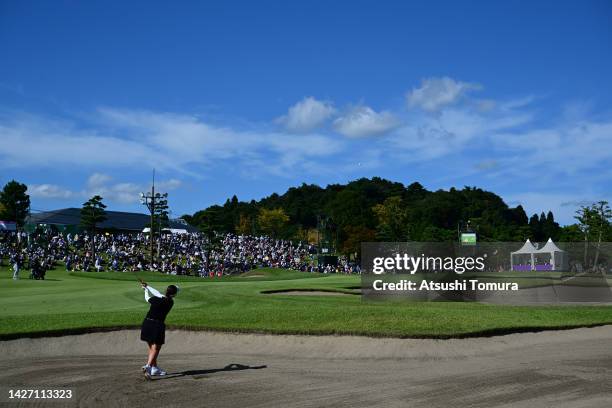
(93, 214)
(15, 202)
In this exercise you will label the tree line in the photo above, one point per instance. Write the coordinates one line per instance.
(381, 210)
(363, 210)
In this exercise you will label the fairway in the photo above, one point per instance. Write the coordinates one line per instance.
(78, 302)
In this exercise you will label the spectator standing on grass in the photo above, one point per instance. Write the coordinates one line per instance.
(16, 267)
(34, 269)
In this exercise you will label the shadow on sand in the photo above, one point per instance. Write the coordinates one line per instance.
(202, 373)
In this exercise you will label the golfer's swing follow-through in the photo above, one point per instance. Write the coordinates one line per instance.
(153, 327)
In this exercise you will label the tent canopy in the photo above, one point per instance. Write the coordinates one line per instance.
(527, 248)
(550, 247)
(549, 257)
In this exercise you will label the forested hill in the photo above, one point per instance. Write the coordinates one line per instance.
(378, 209)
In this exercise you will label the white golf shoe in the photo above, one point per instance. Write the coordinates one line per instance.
(156, 371)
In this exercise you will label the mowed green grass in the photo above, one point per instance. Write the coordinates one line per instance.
(77, 302)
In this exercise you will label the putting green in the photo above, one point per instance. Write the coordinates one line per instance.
(77, 302)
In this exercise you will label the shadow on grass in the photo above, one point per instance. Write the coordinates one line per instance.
(202, 373)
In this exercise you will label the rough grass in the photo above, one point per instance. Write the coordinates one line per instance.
(78, 302)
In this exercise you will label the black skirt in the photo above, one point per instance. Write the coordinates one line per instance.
(153, 331)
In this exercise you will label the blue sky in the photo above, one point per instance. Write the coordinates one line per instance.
(250, 98)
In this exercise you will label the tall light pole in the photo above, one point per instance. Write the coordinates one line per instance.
(150, 199)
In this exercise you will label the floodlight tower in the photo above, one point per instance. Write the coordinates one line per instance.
(149, 199)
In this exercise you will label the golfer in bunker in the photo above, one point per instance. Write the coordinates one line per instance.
(153, 327)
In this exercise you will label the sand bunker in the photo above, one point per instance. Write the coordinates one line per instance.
(570, 368)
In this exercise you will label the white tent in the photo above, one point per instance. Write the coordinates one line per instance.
(524, 258)
(170, 230)
(554, 256)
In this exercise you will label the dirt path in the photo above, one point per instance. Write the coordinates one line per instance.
(570, 368)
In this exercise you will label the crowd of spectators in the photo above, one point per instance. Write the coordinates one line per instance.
(177, 254)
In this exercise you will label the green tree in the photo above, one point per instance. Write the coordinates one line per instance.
(245, 225)
(392, 220)
(429, 214)
(436, 234)
(601, 222)
(535, 225)
(355, 235)
(272, 222)
(570, 233)
(14, 202)
(551, 228)
(585, 217)
(93, 214)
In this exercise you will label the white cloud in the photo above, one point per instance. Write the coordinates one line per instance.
(486, 165)
(565, 149)
(29, 141)
(503, 137)
(518, 103)
(453, 130)
(187, 140)
(100, 184)
(174, 142)
(49, 191)
(98, 179)
(364, 121)
(577, 203)
(307, 114)
(486, 105)
(435, 93)
(171, 184)
(124, 192)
